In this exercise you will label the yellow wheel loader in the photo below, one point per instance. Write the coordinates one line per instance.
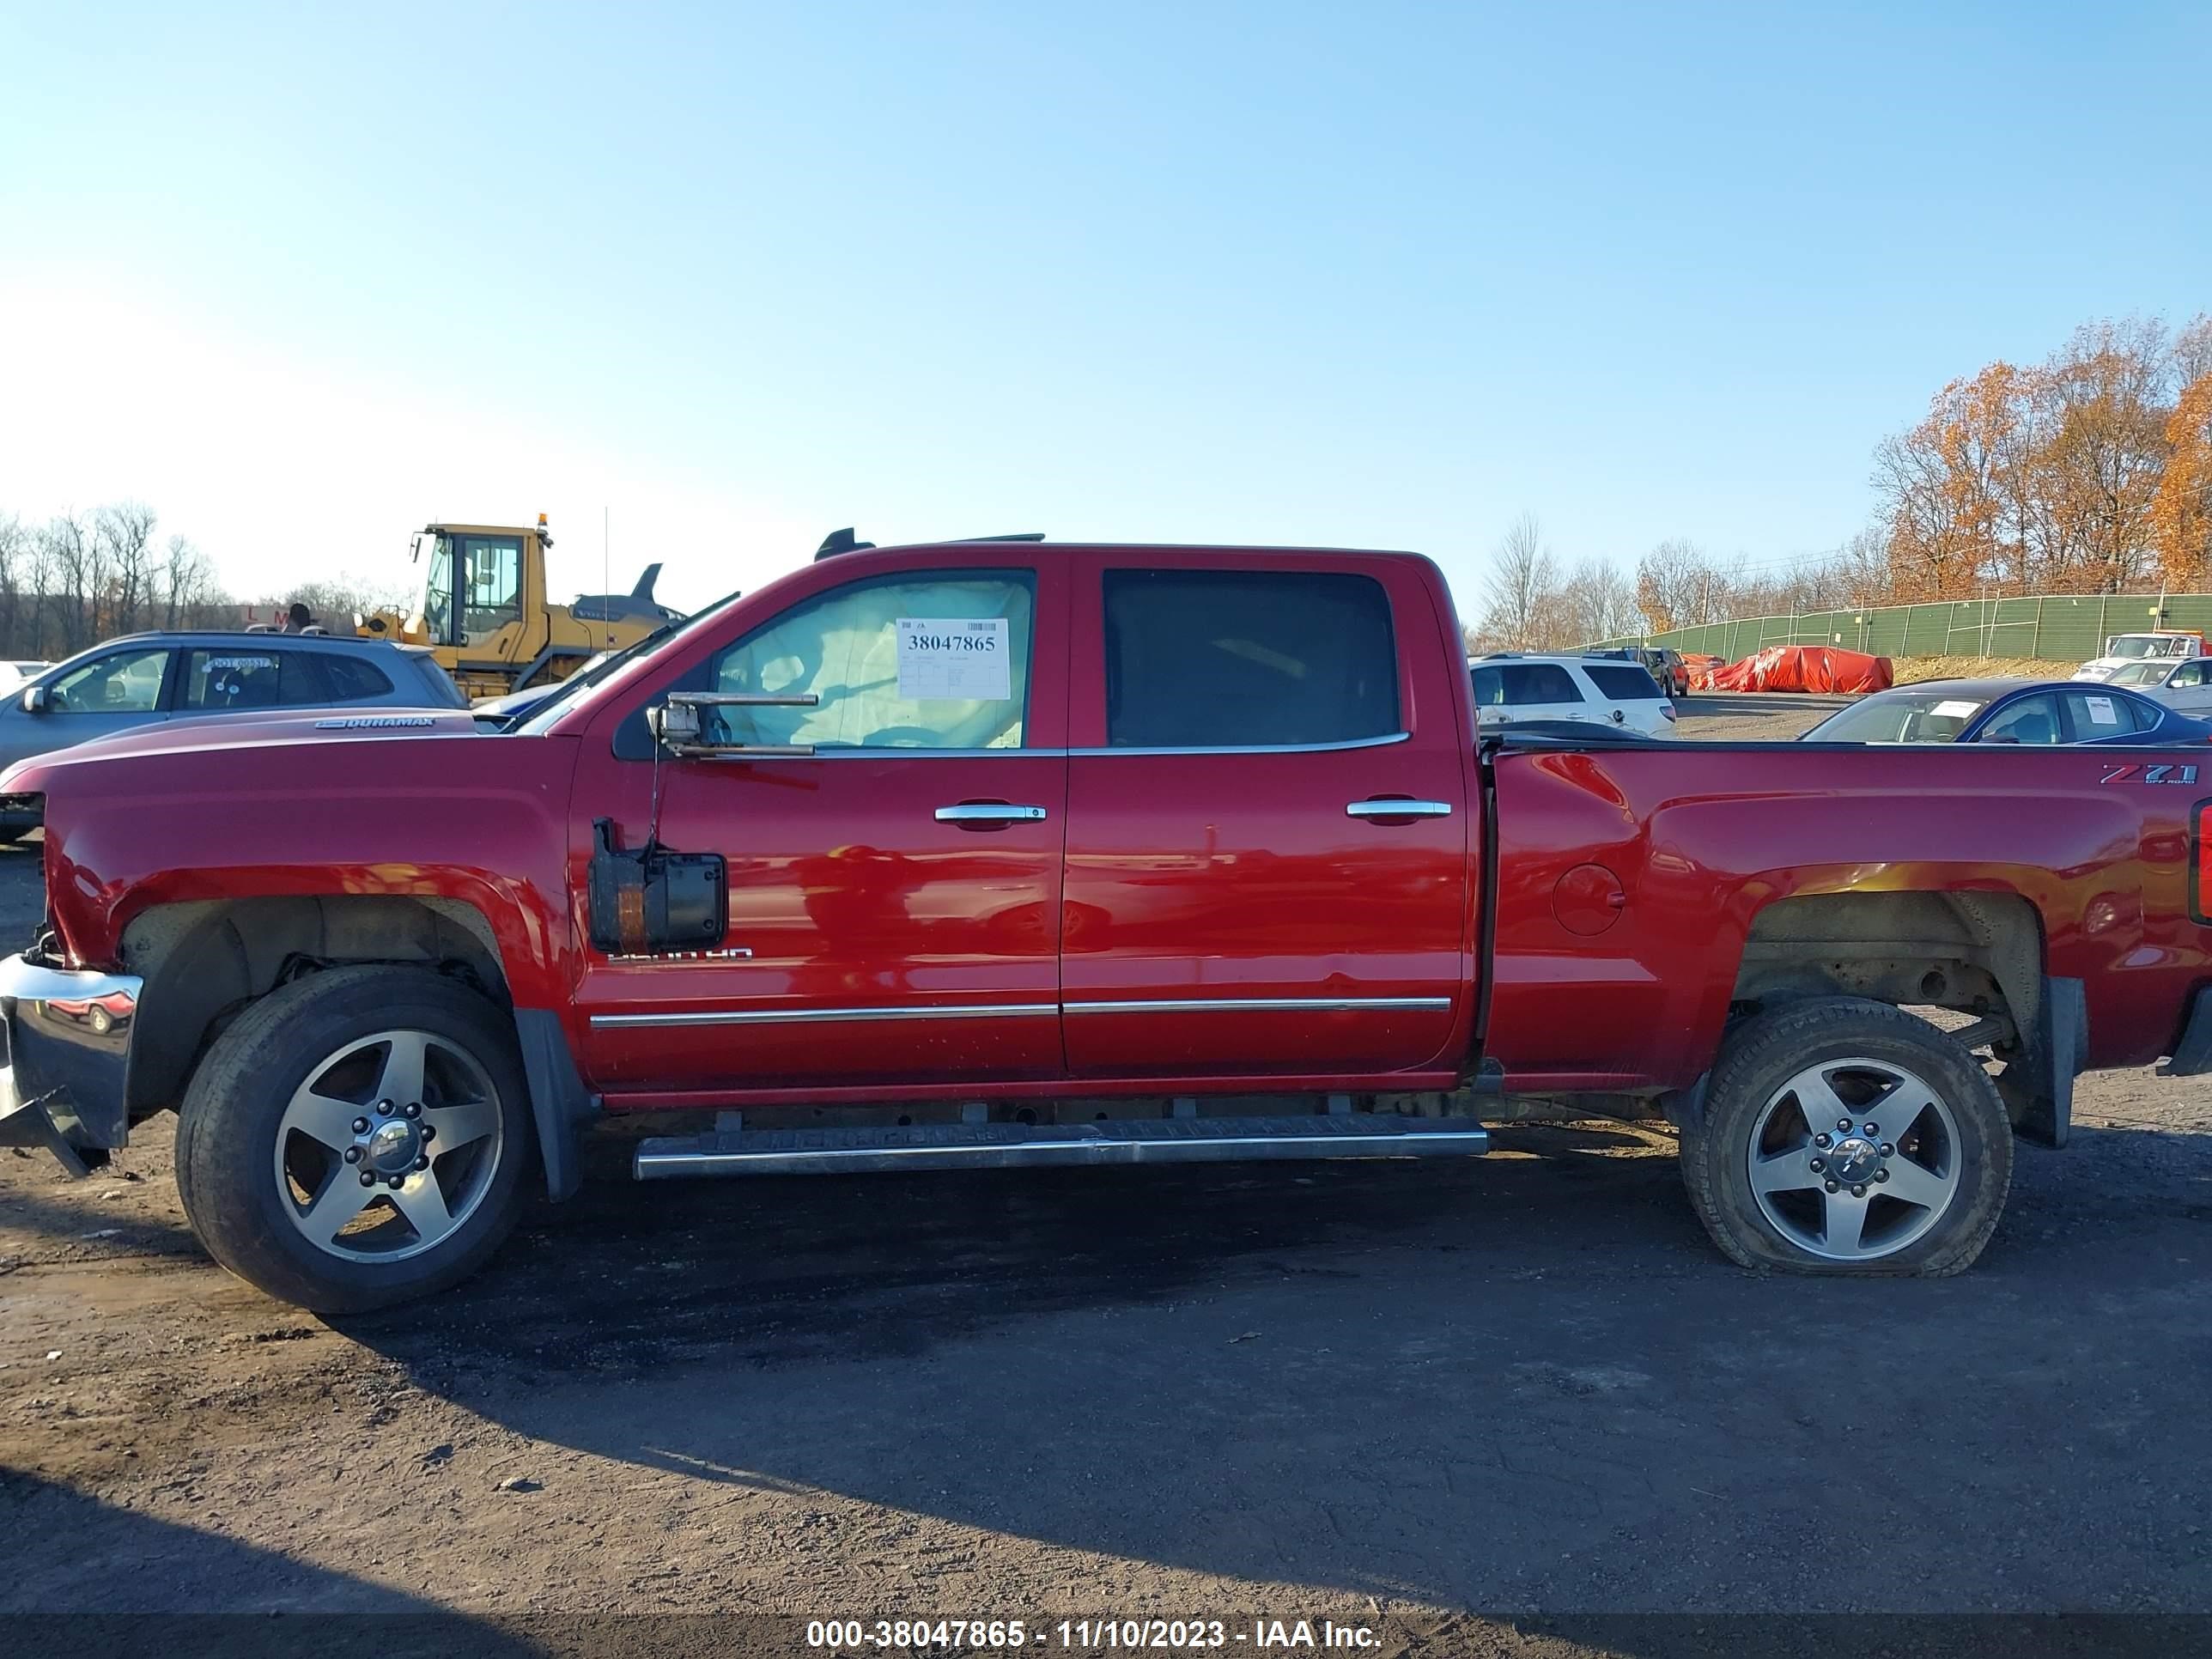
(482, 610)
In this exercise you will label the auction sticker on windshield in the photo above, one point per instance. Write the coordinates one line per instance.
(946, 661)
(1954, 711)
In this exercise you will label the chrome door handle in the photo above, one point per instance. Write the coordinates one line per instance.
(989, 812)
(1399, 809)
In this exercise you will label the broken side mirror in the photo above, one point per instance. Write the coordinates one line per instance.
(34, 699)
(647, 901)
(679, 725)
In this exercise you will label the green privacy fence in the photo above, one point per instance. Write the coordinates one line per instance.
(2056, 628)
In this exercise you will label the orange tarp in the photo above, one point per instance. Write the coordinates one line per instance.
(1701, 669)
(1803, 668)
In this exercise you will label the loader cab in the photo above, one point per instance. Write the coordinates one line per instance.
(477, 584)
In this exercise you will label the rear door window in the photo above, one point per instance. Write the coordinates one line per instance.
(226, 677)
(1247, 659)
(2098, 715)
(1527, 683)
(1619, 683)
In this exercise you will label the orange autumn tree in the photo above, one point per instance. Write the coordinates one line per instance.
(1953, 486)
(2181, 511)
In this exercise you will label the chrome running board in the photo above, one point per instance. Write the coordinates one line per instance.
(1010, 1146)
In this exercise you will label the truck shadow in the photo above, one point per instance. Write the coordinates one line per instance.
(86, 1578)
(67, 1221)
(869, 1268)
(1528, 1382)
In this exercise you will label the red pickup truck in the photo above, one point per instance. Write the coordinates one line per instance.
(991, 853)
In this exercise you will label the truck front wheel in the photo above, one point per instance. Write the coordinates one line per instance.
(1842, 1136)
(357, 1137)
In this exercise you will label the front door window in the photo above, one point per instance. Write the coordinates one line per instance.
(926, 662)
(125, 682)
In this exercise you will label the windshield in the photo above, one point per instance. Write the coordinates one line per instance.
(2140, 673)
(1935, 716)
(602, 666)
(2136, 646)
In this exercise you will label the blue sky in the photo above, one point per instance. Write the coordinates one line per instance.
(305, 277)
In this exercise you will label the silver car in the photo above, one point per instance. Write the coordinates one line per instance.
(144, 678)
(2185, 686)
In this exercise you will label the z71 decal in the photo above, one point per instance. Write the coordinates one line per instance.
(2168, 774)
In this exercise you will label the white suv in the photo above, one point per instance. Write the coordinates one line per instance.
(1513, 691)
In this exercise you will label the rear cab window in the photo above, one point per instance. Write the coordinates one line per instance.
(1210, 658)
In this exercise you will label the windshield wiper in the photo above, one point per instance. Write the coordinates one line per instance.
(576, 682)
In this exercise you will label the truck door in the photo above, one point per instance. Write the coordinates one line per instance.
(1269, 826)
(892, 895)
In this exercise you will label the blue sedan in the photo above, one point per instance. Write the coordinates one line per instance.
(2008, 711)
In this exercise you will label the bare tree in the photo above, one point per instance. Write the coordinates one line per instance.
(1522, 582)
(68, 559)
(335, 600)
(1596, 603)
(1677, 586)
(15, 550)
(125, 535)
(182, 582)
(1862, 568)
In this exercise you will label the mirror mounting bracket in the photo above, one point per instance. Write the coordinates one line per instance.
(679, 723)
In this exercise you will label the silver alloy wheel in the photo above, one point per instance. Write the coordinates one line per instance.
(388, 1146)
(1853, 1159)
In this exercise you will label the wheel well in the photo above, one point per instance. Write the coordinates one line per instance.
(202, 961)
(1978, 953)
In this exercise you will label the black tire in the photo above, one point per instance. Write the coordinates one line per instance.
(228, 1126)
(1761, 1058)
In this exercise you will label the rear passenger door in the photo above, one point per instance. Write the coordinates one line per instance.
(1268, 834)
(2099, 716)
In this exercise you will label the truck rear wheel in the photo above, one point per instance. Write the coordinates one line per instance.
(358, 1138)
(1842, 1136)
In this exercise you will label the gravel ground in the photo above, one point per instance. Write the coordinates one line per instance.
(1436, 1398)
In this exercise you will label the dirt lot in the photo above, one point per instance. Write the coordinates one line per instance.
(1519, 1385)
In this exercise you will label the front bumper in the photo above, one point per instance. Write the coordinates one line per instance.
(67, 1032)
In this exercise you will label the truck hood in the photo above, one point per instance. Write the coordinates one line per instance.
(205, 733)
